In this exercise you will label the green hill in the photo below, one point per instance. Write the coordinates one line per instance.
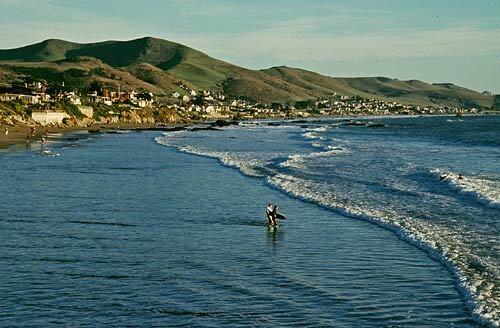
(160, 66)
(48, 50)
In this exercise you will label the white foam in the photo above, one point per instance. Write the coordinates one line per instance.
(50, 153)
(442, 245)
(485, 191)
(245, 163)
(300, 160)
(312, 135)
(318, 129)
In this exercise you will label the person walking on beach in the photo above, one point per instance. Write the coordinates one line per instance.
(6, 131)
(269, 214)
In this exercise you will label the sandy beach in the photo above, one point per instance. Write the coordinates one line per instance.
(22, 133)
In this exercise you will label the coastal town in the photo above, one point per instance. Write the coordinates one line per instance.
(40, 103)
(190, 163)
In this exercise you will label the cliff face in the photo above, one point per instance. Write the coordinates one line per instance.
(12, 116)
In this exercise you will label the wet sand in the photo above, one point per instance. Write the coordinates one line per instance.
(21, 134)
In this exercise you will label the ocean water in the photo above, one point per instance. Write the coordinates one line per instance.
(433, 181)
(117, 229)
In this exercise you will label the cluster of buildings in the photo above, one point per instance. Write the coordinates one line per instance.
(40, 98)
(32, 93)
(109, 98)
(204, 104)
(218, 106)
(342, 105)
(37, 92)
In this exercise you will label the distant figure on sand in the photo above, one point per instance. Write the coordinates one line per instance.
(6, 131)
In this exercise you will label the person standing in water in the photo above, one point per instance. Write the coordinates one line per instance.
(269, 214)
(275, 215)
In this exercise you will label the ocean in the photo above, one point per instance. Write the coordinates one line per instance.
(390, 222)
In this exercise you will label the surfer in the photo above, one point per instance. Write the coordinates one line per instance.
(269, 214)
(443, 176)
(275, 215)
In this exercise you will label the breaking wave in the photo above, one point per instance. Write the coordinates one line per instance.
(485, 191)
(477, 275)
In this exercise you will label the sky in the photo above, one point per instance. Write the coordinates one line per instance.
(454, 41)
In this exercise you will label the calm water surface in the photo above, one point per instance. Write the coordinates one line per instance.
(120, 230)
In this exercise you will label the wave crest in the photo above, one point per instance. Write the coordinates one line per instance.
(485, 191)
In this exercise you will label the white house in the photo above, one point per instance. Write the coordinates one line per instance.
(132, 95)
(8, 97)
(107, 101)
(32, 99)
(142, 103)
(74, 99)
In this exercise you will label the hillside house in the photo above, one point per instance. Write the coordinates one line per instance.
(30, 99)
(8, 97)
(74, 98)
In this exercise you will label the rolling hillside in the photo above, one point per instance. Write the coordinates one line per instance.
(160, 66)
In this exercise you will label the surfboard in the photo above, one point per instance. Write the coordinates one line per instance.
(281, 216)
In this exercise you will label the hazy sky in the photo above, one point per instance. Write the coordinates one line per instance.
(432, 40)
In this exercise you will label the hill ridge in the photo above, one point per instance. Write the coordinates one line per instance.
(182, 64)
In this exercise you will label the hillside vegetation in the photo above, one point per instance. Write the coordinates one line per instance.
(160, 66)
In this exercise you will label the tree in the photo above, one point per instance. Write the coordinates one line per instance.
(276, 105)
(56, 89)
(304, 104)
(145, 96)
(198, 100)
(96, 86)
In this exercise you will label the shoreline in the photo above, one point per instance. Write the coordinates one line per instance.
(469, 297)
(18, 134)
(171, 127)
(217, 230)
